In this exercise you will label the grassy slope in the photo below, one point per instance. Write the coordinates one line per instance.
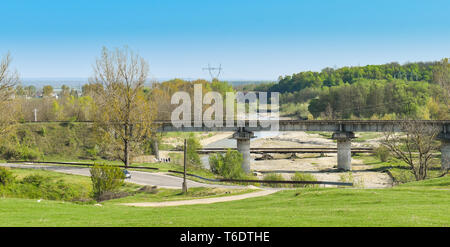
(83, 186)
(416, 204)
(399, 169)
(69, 140)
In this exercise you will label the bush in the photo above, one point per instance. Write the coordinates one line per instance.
(105, 178)
(149, 189)
(401, 176)
(274, 177)
(43, 187)
(36, 180)
(112, 195)
(93, 152)
(59, 190)
(298, 176)
(382, 153)
(42, 132)
(6, 176)
(20, 152)
(228, 165)
(346, 177)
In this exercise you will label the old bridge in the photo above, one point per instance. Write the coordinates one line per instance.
(343, 132)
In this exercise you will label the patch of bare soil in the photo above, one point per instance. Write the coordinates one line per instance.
(215, 137)
(294, 140)
(324, 169)
(151, 158)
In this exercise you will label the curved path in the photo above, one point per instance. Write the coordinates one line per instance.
(201, 201)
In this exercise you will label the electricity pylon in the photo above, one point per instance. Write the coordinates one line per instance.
(214, 72)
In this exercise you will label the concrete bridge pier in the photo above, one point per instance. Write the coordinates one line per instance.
(344, 154)
(445, 154)
(243, 146)
(156, 148)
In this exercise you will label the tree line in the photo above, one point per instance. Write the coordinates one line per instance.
(328, 77)
(390, 91)
(116, 100)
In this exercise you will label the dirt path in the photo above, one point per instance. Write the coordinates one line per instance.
(202, 201)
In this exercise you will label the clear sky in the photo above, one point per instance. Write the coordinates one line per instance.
(251, 39)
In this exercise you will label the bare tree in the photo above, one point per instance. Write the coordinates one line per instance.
(415, 146)
(8, 80)
(441, 75)
(123, 113)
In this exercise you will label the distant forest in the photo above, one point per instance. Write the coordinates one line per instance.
(390, 91)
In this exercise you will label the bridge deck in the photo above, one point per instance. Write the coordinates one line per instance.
(307, 125)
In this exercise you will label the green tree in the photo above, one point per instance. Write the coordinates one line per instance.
(47, 91)
(227, 165)
(123, 113)
(30, 91)
(193, 159)
(441, 75)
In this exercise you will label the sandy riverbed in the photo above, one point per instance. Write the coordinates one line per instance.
(323, 168)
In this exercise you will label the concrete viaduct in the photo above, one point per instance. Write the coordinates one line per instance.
(343, 132)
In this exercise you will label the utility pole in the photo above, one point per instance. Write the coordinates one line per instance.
(35, 114)
(184, 174)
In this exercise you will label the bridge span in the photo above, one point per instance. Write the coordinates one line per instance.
(343, 133)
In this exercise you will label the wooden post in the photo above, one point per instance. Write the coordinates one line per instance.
(184, 174)
(155, 147)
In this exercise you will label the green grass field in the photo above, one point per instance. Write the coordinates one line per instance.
(425, 203)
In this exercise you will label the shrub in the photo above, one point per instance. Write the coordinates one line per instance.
(274, 177)
(149, 189)
(93, 152)
(59, 190)
(43, 187)
(105, 178)
(382, 153)
(298, 176)
(42, 132)
(346, 177)
(228, 165)
(36, 180)
(20, 152)
(112, 195)
(6, 176)
(401, 176)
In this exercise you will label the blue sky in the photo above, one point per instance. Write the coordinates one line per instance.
(251, 39)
